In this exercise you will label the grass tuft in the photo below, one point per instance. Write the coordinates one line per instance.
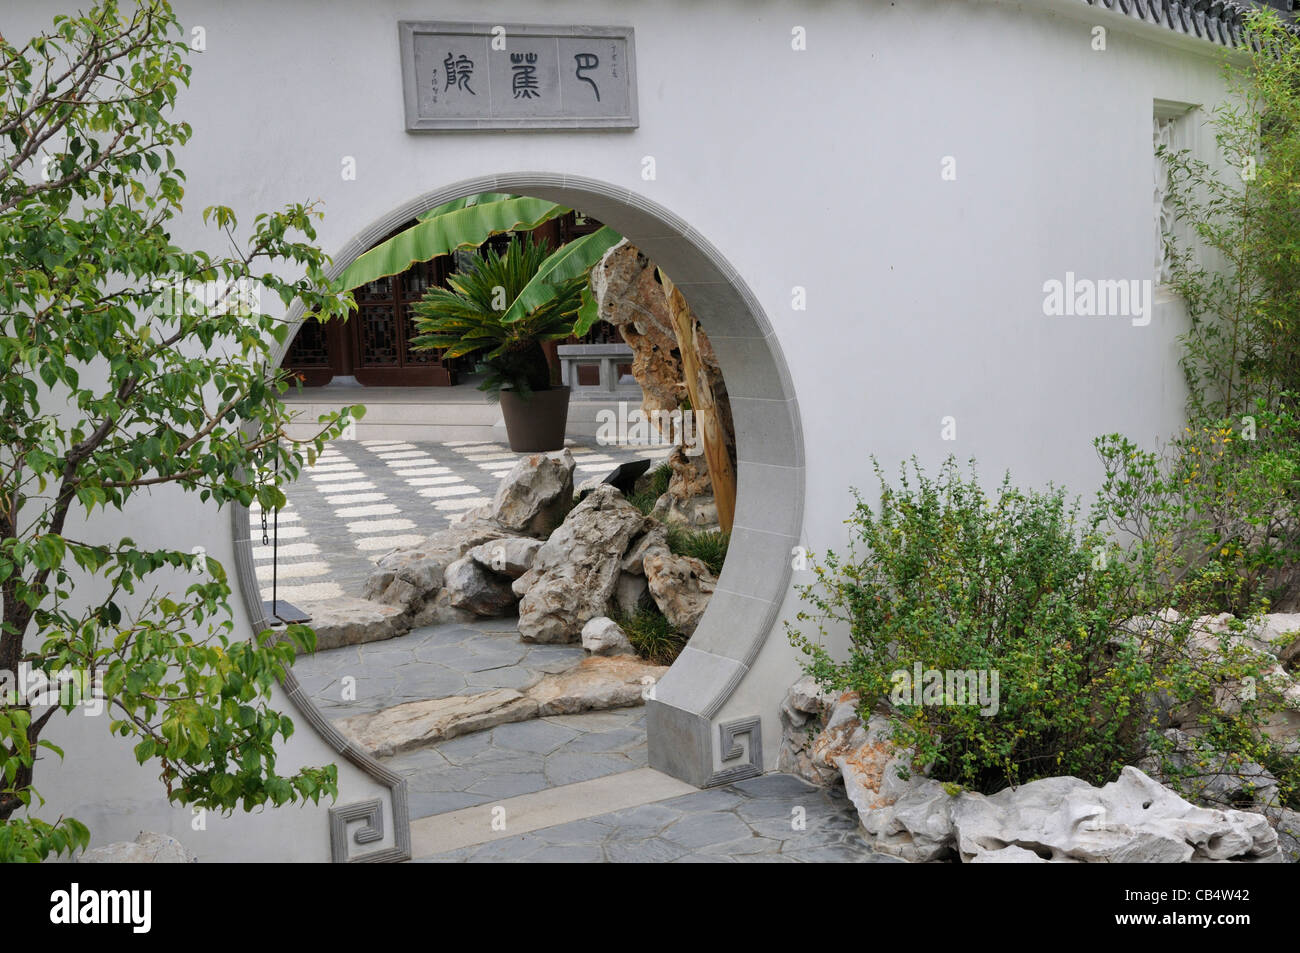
(656, 485)
(708, 548)
(652, 635)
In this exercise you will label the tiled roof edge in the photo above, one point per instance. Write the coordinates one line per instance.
(1219, 21)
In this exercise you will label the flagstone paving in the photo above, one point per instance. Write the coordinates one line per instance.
(776, 818)
(521, 758)
(433, 662)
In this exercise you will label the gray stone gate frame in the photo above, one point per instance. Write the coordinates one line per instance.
(686, 737)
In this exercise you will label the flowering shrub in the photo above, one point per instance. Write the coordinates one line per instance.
(1007, 640)
(1213, 520)
(946, 578)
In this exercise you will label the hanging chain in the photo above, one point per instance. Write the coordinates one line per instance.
(266, 539)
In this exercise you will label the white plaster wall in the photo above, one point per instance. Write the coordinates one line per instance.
(818, 168)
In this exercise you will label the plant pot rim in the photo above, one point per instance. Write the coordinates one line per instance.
(550, 390)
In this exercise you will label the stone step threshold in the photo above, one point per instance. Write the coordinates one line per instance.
(526, 813)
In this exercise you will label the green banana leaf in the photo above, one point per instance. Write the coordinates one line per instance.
(469, 226)
(588, 312)
(564, 264)
(466, 202)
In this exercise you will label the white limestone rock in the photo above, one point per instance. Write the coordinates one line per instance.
(421, 723)
(652, 542)
(604, 636)
(1009, 855)
(1287, 824)
(439, 611)
(809, 741)
(411, 577)
(574, 574)
(471, 587)
(917, 827)
(681, 586)
(1212, 779)
(148, 848)
(533, 497)
(629, 592)
(348, 621)
(596, 684)
(510, 556)
(875, 771)
(699, 513)
(1065, 820)
(1281, 630)
(1130, 820)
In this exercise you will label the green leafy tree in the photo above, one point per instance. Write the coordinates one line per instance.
(1236, 258)
(129, 364)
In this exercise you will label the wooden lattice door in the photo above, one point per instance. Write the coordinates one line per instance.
(382, 329)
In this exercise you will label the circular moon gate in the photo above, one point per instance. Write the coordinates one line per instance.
(686, 736)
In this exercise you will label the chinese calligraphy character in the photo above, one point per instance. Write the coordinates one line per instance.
(459, 72)
(524, 80)
(585, 62)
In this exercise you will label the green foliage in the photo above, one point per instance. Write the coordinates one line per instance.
(1236, 265)
(952, 579)
(127, 363)
(1214, 519)
(652, 635)
(470, 317)
(655, 485)
(1225, 694)
(708, 547)
(568, 263)
(460, 224)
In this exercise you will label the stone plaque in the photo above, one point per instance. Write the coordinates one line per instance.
(511, 76)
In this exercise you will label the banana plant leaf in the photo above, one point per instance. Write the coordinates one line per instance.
(466, 202)
(566, 263)
(588, 312)
(466, 227)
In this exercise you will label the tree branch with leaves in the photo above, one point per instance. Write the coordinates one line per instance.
(130, 364)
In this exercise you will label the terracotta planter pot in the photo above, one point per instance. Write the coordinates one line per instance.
(538, 423)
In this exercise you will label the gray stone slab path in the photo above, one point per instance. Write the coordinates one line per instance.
(455, 659)
(776, 818)
(433, 662)
(521, 758)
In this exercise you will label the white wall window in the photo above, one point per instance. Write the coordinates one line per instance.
(1172, 126)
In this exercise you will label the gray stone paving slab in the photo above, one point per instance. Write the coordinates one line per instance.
(432, 662)
(772, 819)
(520, 758)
